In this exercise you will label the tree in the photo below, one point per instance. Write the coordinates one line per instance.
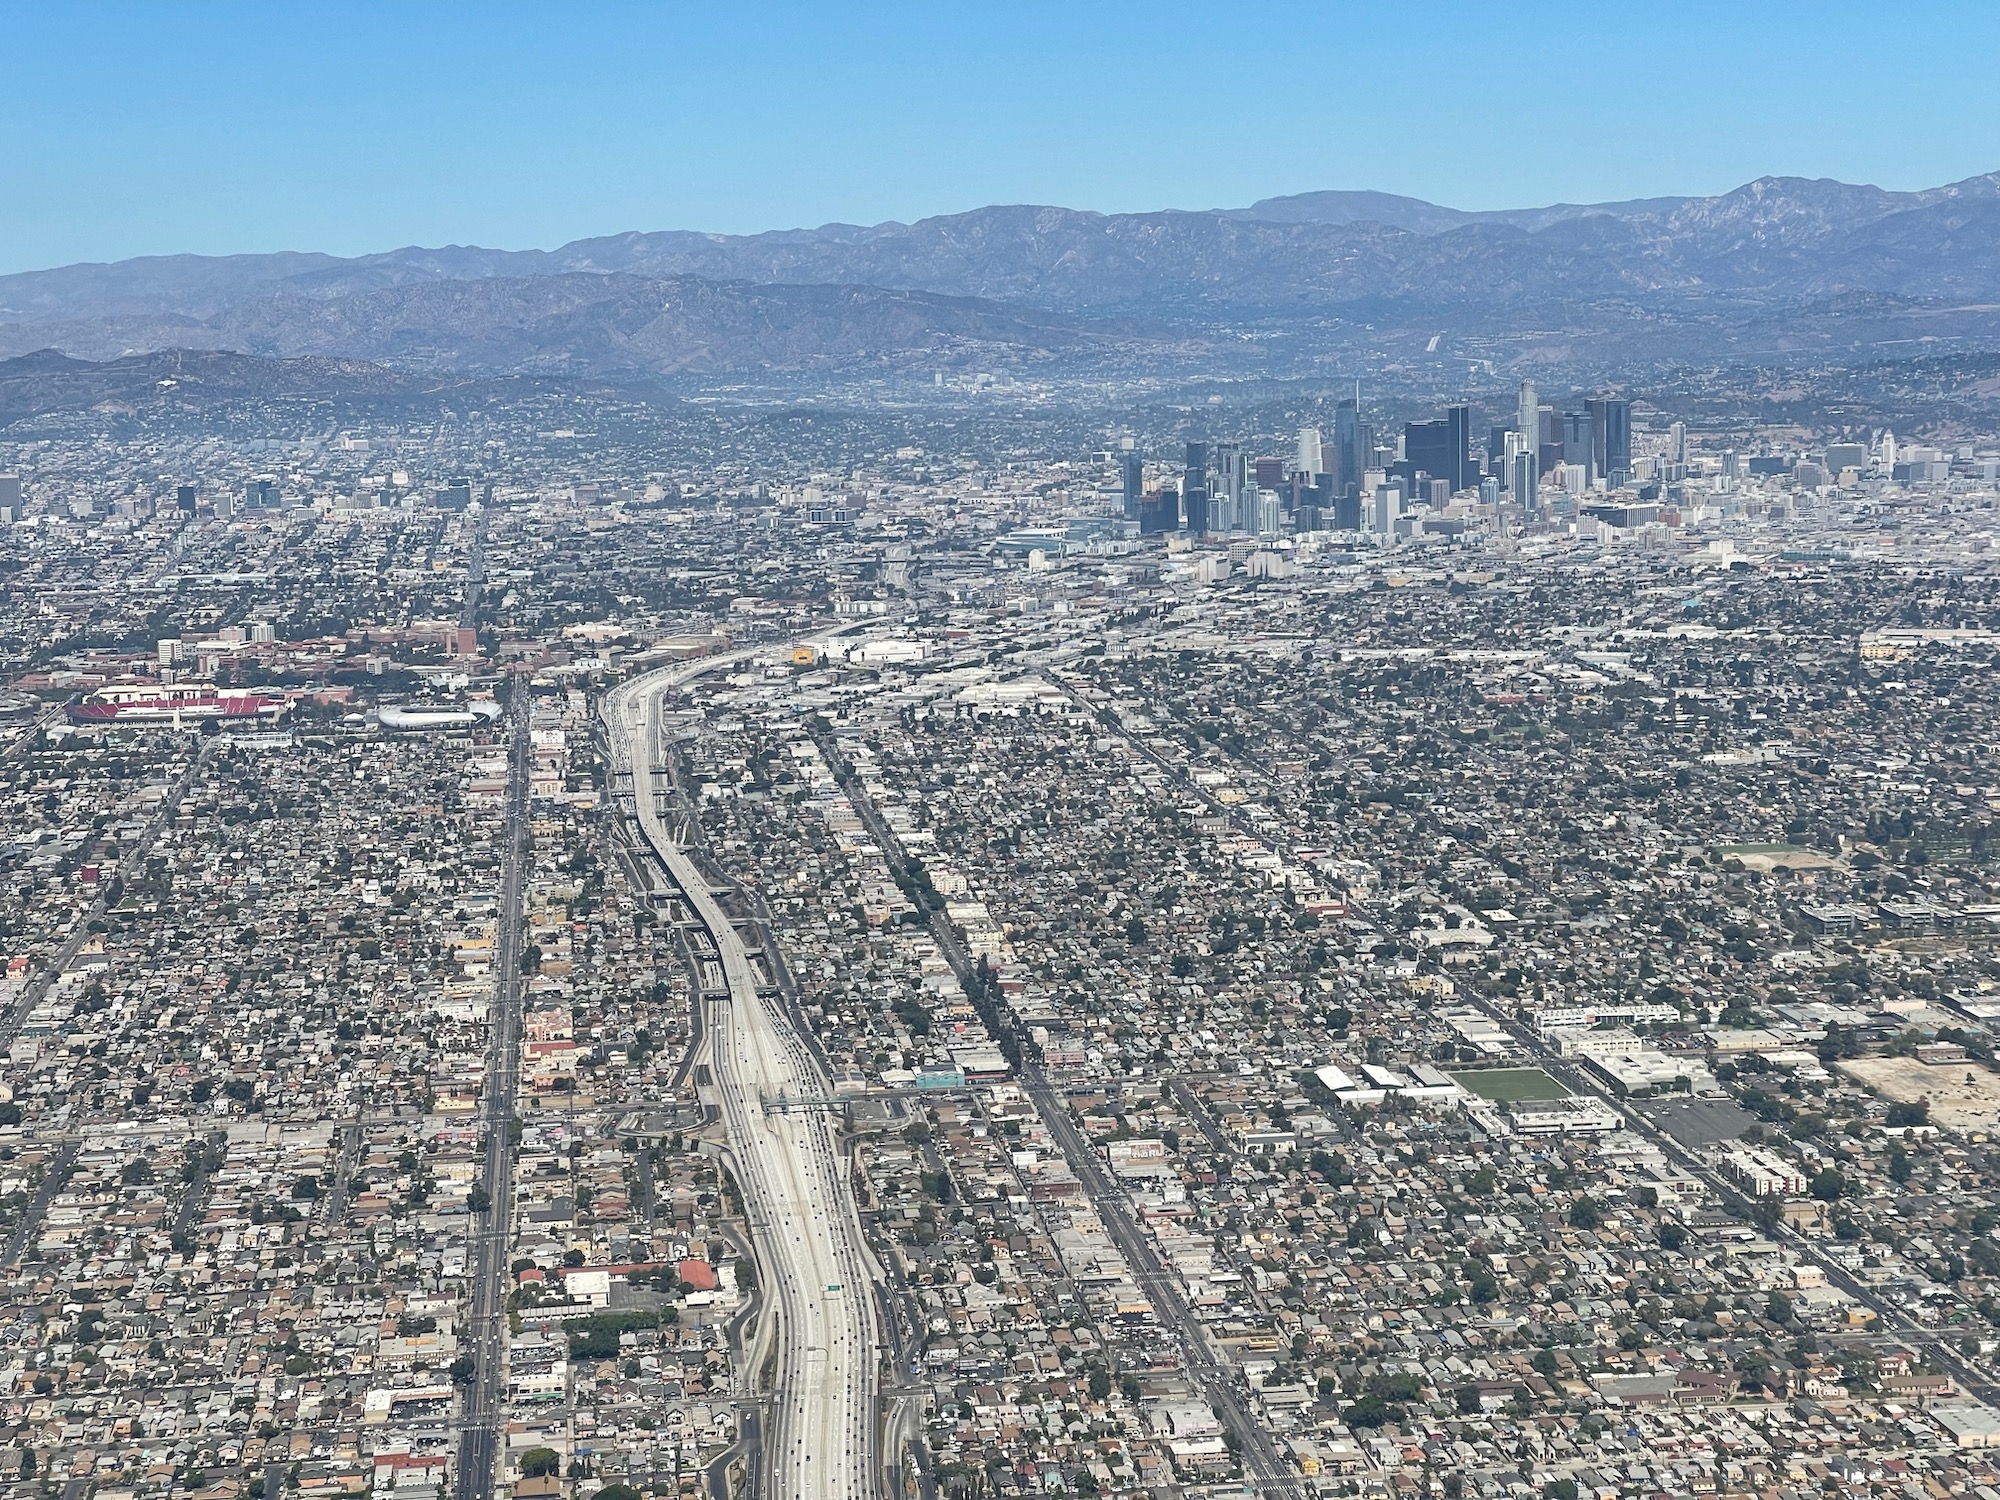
(463, 1369)
(1672, 1237)
(1585, 1213)
(1372, 1411)
(540, 1463)
(1828, 1185)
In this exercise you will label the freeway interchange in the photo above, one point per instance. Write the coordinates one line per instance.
(819, 1436)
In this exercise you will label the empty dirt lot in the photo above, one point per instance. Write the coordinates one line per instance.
(1964, 1095)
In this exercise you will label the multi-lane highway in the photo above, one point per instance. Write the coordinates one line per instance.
(819, 1437)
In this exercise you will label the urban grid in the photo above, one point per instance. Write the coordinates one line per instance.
(568, 949)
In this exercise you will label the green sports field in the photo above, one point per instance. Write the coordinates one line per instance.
(1510, 1084)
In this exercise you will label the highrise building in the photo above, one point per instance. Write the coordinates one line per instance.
(1576, 439)
(1194, 508)
(1426, 448)
(1132, 468)
(1310, 459)
(1228, 472)
(1195, 465)
(1347, 510)
(1677, 443)
(1388, 508)
(1527, 479)
(1610, 438)
(1528, 419)
(1462, 474)
(1194, 489)
(1350, 455)
(1441, 449)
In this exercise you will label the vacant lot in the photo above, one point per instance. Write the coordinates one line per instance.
(1764, 858)
(1964, 1095)
(1510, 1084)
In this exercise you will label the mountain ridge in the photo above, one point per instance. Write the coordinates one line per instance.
(604, 325)
(1043, 283)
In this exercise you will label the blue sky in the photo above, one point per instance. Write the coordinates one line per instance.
(129, 129)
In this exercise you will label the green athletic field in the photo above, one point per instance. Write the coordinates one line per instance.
(1510, 1084)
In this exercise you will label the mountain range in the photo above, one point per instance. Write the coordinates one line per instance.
(1817, 265)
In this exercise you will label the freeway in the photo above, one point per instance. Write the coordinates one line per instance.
(818, 1441)
(486, 1334)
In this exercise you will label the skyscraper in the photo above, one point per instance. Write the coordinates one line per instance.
(1310, 459)
(1528, 420)
(1350, 455)
(1388, 508)
(1578, 444)
(1427, 448)
(1132, 467)
(1194, 508)
(1442, 449)
(1229, 469)
(1160, 512)
(1458, 419)
(1194, 489)
(1610, 438)
(1527, 467)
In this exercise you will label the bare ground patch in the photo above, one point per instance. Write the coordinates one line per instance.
(1963, 1095)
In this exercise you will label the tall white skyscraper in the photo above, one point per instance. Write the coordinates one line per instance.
(1677, 443)
(1311, 460)
(1528, 420)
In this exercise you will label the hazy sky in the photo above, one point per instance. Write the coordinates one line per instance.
(150, 128)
